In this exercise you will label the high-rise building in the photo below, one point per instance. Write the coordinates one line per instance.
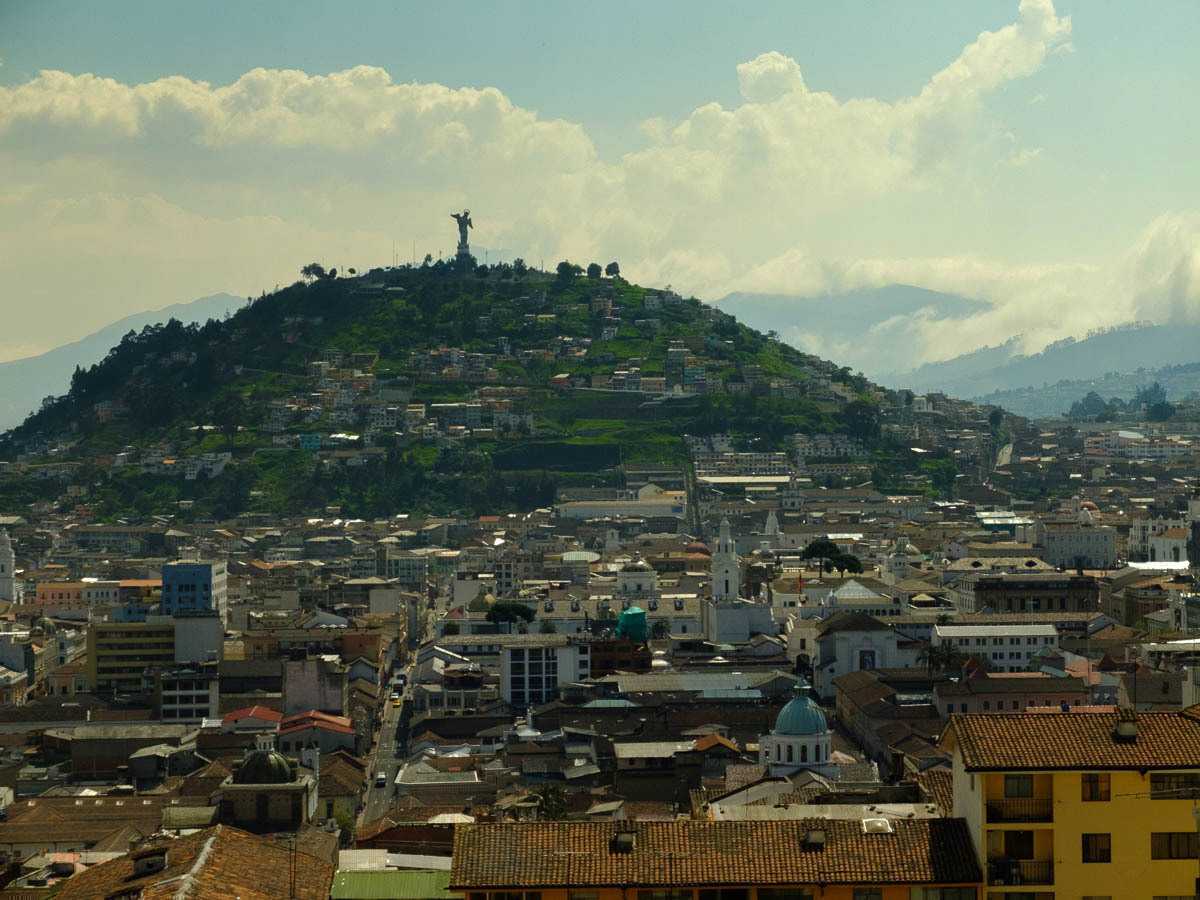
(189, 587)
(8, 564)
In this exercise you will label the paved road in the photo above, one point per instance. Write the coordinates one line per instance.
(379, 799)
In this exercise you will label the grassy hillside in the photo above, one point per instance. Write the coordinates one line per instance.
(184, 391)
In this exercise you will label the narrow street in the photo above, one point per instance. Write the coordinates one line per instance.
(378, 799)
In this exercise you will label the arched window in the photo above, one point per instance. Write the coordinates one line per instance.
(804, 753)
(789, 752)
(778, 752)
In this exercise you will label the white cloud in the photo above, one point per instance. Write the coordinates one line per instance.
(1023, 157)
(174, 188)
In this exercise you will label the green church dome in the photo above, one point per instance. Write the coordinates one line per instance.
(801, 716)
(264, 767)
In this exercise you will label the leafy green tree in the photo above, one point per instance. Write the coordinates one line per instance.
(821, 549)
(862, 420)
(519, 267)
(593, 270)
(313, 271)
(941, 658)
(509, 611)
(1159, 412)
(846, 562)
(996, 419)
(567, 271)
(613, 270)
(552, 802)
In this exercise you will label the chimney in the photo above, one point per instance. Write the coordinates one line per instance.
(1126, 729)
(623, 841)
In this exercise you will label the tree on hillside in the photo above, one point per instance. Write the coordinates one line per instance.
(612, 270)
(593, 270)
(1149, 396)
(519, 267)
(1159, 412)
(996, 418)
(1090, 407)
(312, 271)
(567, 270)
(862, 420)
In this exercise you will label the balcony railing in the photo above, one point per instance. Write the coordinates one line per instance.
(1020, 871)
(1025, 810)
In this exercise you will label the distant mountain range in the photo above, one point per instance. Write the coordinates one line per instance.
(25, 382)
(873, 330)
(1051, 400)
(1132, 350)
(878, 331)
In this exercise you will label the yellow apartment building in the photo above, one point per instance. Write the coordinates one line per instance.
(1080, 806)
(803, 859)
(119, 653)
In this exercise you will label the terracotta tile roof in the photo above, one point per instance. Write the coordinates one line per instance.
(938, 785)
(1165, 740)
(669, 854)
(315, 719)
(253, 712)
(215, 862)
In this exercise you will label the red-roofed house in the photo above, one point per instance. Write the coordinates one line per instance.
(316, 729)
(252, 718)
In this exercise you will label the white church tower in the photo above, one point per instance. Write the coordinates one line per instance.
(8, 565)
(726, 573)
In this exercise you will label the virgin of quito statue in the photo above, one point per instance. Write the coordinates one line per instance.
(464, 222)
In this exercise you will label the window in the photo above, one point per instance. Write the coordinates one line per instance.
(1096, 786)
(1175, 845)
(1018, 786)
(1097, 848)
(1175, 786)
(583, 895)
(868, 894)
(664, 895)
(943, 893)
(725, 894)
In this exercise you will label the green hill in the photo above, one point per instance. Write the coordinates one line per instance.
(327, 361)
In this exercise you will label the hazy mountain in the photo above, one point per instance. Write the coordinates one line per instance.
(25, 382)
(1001, 369)
(1055, 399)
(873, 330)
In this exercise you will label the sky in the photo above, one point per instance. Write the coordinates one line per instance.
(1037, 156)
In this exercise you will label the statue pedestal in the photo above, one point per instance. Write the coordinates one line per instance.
(464, 250)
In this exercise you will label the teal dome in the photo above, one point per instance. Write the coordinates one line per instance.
(264, 767)
(800, 716)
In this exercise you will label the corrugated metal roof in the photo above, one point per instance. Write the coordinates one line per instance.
(412, 884)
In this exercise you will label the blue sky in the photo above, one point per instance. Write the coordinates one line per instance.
(1059, 166)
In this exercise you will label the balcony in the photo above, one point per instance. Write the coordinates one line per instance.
(1020, 871)
(1023, 810)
